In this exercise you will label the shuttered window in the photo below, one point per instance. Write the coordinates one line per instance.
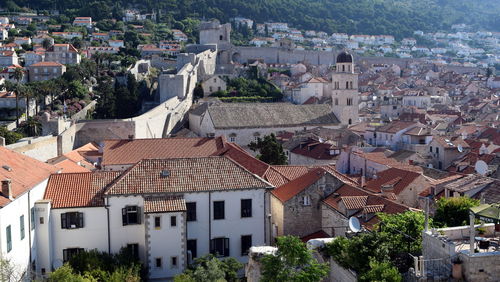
(131, 215)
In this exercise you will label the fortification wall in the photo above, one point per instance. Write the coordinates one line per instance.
(274, 55)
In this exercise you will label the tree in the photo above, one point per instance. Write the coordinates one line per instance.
(210, 268)
(403, 230)
(65, 274)
(453, 211)
(11, 137)
(106, 102)
(46, 43)
(381, 271)
(76, 90)
(270, 151)
(292, 262)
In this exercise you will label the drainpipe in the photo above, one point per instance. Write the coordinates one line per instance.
(106, 206)
(29, 232)
(209, 218)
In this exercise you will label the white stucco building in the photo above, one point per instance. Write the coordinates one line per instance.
(202, 205)
(23, 181)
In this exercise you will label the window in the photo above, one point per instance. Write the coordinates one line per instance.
(191, 211)
(192, 247)
(343, 68)
(157, 222)
(158, 263)
(346, 84)
(232, 139)
(349, 101)
(350, 121)
(246, 208)
(306, 200)
(437, 151)
(350, 84)
(336, 101)
(219, 247)
(42, 220)
(210, 89)
(173, 262)
(21, 226)
(130, 215)
(215, 79)
(72, 220)
(246, 243)
(430, 149)
(32, 218)
(69, 253)
(173, 221)
(133, 250)
(219, 210)
(9, 238)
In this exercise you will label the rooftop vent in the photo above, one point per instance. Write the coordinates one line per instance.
(165, 173)
(7, 168)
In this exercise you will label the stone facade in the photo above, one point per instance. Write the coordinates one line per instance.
(301, 217)
(345, 96)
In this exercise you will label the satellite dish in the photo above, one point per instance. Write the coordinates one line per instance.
(460, 148)
(430, 166)
(354, 224)
(481, 167)
(57, 263)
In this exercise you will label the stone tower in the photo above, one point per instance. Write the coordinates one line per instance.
(345, 96)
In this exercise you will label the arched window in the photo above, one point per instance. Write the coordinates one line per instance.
(343, 68)
(221, 37)
(351, 84)
(350, 121)
(347, 85)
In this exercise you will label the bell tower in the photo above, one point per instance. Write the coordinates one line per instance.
(345, 96)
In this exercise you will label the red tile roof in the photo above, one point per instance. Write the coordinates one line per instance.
(294, 187)
(185, 175)
(47, 64)
(374, 204)
(396, 126)
(23, 171)
(315, 150)
(316, 235)
(158, 204)
(392, 176)
(86, 189)
(129, 152)
(68, 166)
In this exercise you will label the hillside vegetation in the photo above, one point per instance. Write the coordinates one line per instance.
(396, 17)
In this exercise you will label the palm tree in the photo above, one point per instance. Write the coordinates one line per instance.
(18, 75)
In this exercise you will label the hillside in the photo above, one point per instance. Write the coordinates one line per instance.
(396, 17)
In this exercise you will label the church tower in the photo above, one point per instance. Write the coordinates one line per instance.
(345, 96)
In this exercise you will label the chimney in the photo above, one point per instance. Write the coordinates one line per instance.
(7, 189)
(131, 137)
(2, 141)
(387, 190)
(363, 181)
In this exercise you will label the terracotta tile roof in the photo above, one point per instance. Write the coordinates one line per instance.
(185, 175)
(159, 204)
(400, 179)
(294, 187)
(380, 158)
(23, 171)
(315, 235)
(449, 143)
(374, 204)
(68, 166)
(354, 202)
(239, 155)
(78, 157)
(315, 150)
(396, 126)
(46, 64)
(78, 189)
(131, 151)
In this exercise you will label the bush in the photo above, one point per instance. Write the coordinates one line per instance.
(453, 211)
(381, 271)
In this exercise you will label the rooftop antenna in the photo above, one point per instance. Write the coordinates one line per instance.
(481, 167)
(460, 148)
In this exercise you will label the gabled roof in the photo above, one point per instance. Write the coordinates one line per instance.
(68, 190)
(294, 187)
(23, 171)
(46, 64)
(362, 203)
(184, 175)
(258, 115)
(129, 152)
(400, 179)
(395, 126)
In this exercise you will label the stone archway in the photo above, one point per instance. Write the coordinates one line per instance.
(236, 57)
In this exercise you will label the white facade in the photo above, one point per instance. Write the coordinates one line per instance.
(22, 248)
(345, 95)
(163, 249)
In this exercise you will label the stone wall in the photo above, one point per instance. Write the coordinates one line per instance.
(301, 220)
(340, 274)
(40, 148)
